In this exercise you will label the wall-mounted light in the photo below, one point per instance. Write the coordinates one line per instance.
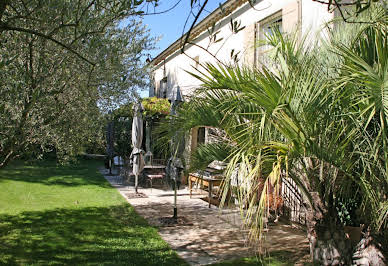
(149, 59)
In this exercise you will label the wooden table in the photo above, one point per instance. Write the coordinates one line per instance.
(205, 181)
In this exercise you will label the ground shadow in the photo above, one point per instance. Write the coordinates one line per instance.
(106, 236)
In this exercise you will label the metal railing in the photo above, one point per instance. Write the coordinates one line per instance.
(293, 206)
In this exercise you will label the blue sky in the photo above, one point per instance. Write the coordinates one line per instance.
(170, 25)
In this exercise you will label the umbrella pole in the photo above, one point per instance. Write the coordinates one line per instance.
(175, 207)
(136, 179)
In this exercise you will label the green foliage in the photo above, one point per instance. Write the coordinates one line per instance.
(204, 154)
(71, 215)
(59, 71)
(273, 259)
(123, 112)
(347, 212)
(154, 107)
(122, 121)
(122, 137)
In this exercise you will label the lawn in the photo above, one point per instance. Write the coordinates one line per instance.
(276, 258)
(70, 215)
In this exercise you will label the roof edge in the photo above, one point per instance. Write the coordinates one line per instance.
(227, 7)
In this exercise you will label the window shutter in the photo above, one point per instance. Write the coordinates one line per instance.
(249, 45)
(291, 17)
(161, 88)
(157, 88)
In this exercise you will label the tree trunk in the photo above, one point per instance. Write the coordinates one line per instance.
(6, 159)
(369, 251)
(328, 242)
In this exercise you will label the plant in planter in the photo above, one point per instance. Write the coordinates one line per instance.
(155, 107)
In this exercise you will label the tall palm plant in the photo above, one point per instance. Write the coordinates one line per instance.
(323, 127)
(364, 79)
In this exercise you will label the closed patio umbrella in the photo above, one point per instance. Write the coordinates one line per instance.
(109, 142)
(137, 137)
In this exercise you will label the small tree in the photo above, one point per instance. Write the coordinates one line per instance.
(58, 71)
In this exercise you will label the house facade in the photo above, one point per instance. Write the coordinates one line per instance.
(253, 21)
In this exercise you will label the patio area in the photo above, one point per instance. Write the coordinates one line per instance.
(210, 235)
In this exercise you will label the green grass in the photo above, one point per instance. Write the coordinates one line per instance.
(70, 215)
(252, 261)
(278, 258)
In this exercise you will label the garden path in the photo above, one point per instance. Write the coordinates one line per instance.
(215, 235)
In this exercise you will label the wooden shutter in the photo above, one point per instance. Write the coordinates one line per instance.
(249, 45)
(291, 17)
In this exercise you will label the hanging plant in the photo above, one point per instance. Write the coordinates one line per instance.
(154, 107)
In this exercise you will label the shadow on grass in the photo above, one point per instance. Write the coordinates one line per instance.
(282, 257)
(49, 173)
(113, 235)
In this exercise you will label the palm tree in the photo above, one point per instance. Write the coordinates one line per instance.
(318, 116)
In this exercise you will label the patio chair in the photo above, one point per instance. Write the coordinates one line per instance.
(155, 176)
(152, 175)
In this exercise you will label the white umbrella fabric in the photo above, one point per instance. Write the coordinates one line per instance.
(137, 138)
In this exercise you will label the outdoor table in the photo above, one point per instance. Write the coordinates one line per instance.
(154, 167)
(206, 181)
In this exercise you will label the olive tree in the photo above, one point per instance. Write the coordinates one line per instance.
(61, 63)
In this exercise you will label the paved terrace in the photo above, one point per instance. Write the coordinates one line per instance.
(213, 235)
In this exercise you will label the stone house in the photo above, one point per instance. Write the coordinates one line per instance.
(254, 22)
(256, 19)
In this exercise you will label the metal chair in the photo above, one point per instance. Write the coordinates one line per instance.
(156, 176)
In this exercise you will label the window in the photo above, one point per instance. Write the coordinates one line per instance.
(265, 28)
(161, 85)
(163, 88)
(152, 92)
(198, 137)
(201, 136)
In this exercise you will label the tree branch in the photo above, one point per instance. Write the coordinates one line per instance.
(42, 35)
(163, 11)
(206, 50)
(336, 4)
(192, 25)
(6, 159)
